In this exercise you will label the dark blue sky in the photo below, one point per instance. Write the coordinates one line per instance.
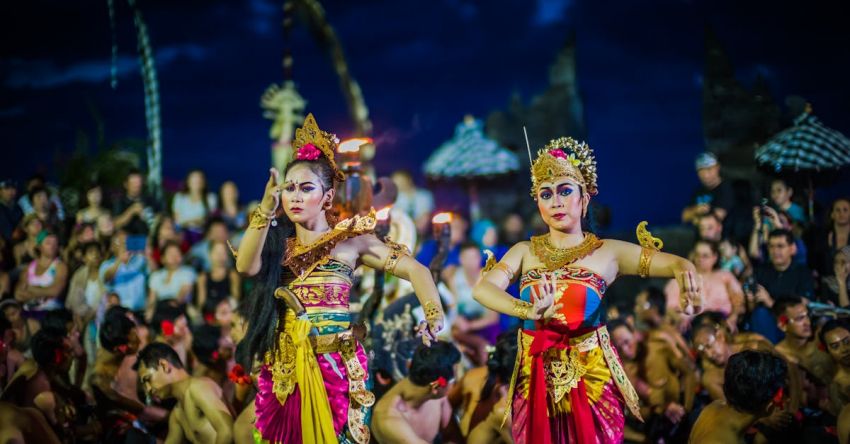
(422, 65)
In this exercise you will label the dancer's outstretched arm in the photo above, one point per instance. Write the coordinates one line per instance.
(663, 265)
(376, 254)
(490, 290)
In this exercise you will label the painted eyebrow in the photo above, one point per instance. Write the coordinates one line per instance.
(292, 182)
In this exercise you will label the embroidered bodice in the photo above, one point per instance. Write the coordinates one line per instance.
(579, 289)
(324, 293)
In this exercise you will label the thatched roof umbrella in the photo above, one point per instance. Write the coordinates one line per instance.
(470, 156)
(806, 148)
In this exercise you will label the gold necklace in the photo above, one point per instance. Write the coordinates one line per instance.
(555, 258)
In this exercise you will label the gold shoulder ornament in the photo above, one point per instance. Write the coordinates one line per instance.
(649, 246)
(302, 259)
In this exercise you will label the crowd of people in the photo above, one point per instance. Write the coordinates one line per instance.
(120, 323)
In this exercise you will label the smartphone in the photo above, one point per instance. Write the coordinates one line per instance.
(136, 243)
(762, 208)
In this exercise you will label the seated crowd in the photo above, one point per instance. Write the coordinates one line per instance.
(121, 323)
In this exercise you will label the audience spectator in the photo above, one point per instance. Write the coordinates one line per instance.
(171, 326)
(713, 195)
(833, 289)
(800, 346)
(199, 411)
(835, 338)
(174, 281)
(21, 327)
(10, 212)
(222, 281)
(94, 205)
(418, 203)
(780, 196)
(125, 274)
(486, 236)
(416, 410)
(733, 256)
(25, 250)
(42, 284)
(475, 327)
(193, 204)
(199, 254)
(834, 238)
(134, 212)
(86, 296)
(41, 207)
(165, 232)
(482, 394)
(754, 385)
(513, 229)
(114, 382)
(229, 210)
(781, 276)
(720, 289)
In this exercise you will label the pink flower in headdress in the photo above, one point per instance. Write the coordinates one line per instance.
(308, 152)
(558, 154)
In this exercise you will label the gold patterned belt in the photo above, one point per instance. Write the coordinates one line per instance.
(330, 343)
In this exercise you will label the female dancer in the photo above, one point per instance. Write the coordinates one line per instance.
(568, 384)
(312, 386)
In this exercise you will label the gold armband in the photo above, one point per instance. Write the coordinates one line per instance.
(522, 309)
(260, 220)
(649, 246)
(397, 251)
(432, 311)
(491, 264)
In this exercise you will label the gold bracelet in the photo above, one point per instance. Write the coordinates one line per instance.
(432, 312)
(397, 251)
(522, 309)
(646, 255)
(260, 220)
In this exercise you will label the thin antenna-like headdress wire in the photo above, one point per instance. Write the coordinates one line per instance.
(527, 145)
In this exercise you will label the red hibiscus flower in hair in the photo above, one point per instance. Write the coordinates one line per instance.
(238, 376)
(308, 152)
(209, 318)
(441, 382)
(167, 327)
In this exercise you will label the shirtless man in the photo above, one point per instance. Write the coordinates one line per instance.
(754, 382)
(415, 410)
(626, 342)
(23, 425)
(171, 327)
(200, 415)
(668, 370)
(799, 346)
(482, 388)
(113, 380)
(715, 345)
(835, 337)
(43, 383)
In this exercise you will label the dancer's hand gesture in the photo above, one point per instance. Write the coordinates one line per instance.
(271, 197)
(429, 330)
(543, 304)
(690, 292)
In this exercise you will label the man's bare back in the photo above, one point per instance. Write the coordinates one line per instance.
(810, 358)
(396, 421)
(712, 426)
(188, 415)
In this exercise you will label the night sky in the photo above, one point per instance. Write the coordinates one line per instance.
(421, 65)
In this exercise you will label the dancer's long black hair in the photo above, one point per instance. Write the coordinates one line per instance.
(264, 312)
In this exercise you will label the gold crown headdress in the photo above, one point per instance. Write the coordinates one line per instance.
(326, 143)
(565, 157)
